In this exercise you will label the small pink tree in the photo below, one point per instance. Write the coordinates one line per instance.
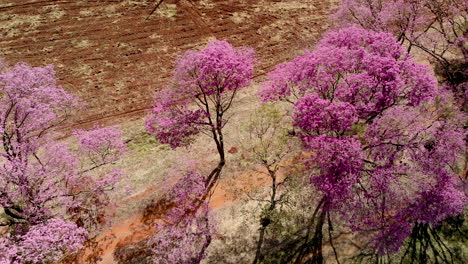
(376, 128)
(43, 182)
(205, 85)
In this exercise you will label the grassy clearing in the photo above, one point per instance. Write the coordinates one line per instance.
(239, 18)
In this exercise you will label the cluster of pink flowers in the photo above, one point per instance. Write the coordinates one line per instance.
(370, 72)
(394, 172)
(43, 243)
(171, 121)
(205, 83)
(437, 28)
(43, 181)
(315, 115)
(214, 69)
(336, 165)
(101, 145)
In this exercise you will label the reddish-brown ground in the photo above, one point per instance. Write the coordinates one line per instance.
(137, 228)
(111, 54)
(114, 56)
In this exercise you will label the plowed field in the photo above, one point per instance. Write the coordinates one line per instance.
(114, 56)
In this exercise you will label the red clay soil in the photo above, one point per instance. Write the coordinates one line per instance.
(134, 230)
(111, 54)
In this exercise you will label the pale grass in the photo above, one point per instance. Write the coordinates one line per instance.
(239, 17)
(167, 10)
(10, 24)
(81, 44)
(54, 11)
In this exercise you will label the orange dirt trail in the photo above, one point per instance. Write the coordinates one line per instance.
(136, 228)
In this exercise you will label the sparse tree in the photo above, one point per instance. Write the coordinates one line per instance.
(268, 146)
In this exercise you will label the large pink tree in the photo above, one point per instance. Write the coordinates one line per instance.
(438, 28)
(49, 191)
(383, 138)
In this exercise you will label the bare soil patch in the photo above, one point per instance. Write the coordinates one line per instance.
(109, 54)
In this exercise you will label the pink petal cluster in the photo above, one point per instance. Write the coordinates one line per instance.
(316, 115)
(336, 165)
(436, 203)
(394, 15)
(364, 68)
(215, 69)
(31, 101)
(171, 121)
(44, 182)
(410, 179)
(435, 28)
(101, 145)
(43, 243)
(291, 80)
(391, 235)
(205, 84)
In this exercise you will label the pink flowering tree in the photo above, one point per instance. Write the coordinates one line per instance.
(415, 160)
(376, 125)
(438, 28)
(49, 192)
(365, 76)
(205, 84)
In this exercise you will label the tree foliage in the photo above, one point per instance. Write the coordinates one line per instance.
(51, 198)
(370, 117)
(205, 85)
(438, 28)
(380, 146)
(185, 231)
